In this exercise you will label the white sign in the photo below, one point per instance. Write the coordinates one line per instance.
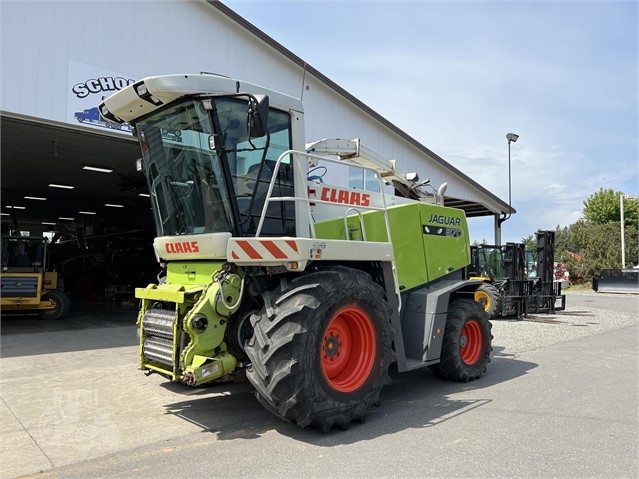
(88, 86)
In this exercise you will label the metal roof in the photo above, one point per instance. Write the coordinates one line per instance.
(471, 208)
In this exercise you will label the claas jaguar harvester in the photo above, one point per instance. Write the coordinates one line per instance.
(309, 289)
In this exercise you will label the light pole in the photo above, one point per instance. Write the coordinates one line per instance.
(623, 236)
(512, 138)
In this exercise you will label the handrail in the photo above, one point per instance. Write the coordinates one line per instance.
(361, 223)
(307, 200)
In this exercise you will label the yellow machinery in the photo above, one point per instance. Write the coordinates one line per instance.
(26, 283)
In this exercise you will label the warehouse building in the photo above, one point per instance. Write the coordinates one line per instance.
(67, 173)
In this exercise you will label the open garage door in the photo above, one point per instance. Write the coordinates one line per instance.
(79, 186)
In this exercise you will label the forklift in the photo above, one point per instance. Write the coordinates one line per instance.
(517, 282)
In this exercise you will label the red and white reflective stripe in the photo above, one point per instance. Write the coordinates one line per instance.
(258, 249)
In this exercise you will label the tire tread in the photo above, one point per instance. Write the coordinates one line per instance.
(285, 327)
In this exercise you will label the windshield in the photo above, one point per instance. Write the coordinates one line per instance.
(491, 262)
(183, 173)
(206, 175)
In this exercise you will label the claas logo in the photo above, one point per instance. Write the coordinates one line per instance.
(346, 197)
(182, 247)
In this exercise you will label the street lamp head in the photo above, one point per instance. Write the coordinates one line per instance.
(512, 137)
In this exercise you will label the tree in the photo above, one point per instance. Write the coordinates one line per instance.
(531, 242)
(604, 207)
(597, 237)
(477, 243)
(599, 246)
(562, 242)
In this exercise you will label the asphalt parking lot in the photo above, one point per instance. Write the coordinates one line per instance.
(560, 400)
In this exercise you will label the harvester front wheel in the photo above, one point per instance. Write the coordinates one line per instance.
(321, 348)
(61, 304)
(467, 342)
(490, 298)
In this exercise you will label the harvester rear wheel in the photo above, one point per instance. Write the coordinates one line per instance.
(490, 298)
(467, 342)
(321, 348)
(61, 303)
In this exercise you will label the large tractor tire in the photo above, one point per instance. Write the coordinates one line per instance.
(490, 298)
(467, 342)
(321, 348)
(61, 303)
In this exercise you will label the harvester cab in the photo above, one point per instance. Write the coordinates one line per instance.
(311, 288)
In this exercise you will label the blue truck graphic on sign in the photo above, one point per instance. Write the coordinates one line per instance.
(92, 117)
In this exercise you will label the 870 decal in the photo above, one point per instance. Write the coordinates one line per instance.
(442, 231)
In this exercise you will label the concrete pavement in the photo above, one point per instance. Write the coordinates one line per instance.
(560, 400)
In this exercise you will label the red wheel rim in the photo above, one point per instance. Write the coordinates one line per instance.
(348, 349)
(471, 342)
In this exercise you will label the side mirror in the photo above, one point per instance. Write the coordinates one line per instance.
(258, 116)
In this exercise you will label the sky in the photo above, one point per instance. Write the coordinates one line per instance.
(459, 75)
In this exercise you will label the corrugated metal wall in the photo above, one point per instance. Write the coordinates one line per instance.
(137, 39)
(144, 38)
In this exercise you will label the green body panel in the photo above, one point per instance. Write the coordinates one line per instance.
(174, 293)
(429, 241)
(205, 369)
(195, 292)
(209, 306)
(445, 238)
(191, 272)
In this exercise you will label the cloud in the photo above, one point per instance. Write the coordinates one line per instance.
(458, 76)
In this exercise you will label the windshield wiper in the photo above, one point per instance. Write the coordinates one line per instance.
(219, 140)
(179, 211)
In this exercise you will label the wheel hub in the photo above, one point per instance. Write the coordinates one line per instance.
(331, 346)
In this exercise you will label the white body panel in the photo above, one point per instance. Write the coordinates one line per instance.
(285, 251)
(169, 88)
(187, 247)
(326, 200)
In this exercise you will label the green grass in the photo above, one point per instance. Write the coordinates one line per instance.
(584, 287)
